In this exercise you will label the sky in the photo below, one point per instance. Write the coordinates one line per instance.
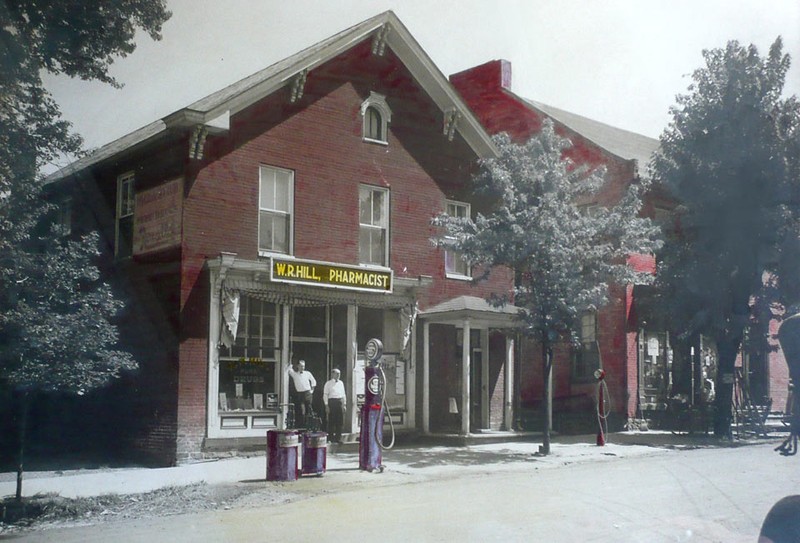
(621, 62)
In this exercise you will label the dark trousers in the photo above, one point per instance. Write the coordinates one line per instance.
(335, 419)
(302, 408)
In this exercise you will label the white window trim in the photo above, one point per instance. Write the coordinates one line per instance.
(121, 181)
(378, 102)
(290, 243)
(456, 275)
(387, 214)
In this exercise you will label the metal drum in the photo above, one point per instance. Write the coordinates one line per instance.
(315, 453)
(282, 451)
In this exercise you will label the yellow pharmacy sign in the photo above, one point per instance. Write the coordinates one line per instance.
(309, 272)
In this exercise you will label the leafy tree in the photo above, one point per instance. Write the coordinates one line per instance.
(55, 310)
(564, 258)
(727, 157)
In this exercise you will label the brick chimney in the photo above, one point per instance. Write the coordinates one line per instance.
(491, 76)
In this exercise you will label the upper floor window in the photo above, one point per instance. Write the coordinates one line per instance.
(454, 263)
(276, 202)
(63, 217)
(126, 200)
(373, 239)
(376, 117)
(587, 357)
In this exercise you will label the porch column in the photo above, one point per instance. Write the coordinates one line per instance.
(426, 378)
(285, 361)
(508, 396)
(484, 392)
(465, 370)
(351, 422)
(411, 382)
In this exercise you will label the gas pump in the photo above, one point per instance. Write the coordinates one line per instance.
(371, 436)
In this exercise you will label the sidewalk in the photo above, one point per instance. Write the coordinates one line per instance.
(430, 459)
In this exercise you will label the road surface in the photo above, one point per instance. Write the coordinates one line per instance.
(690, 495)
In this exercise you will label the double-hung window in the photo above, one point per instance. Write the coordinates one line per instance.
(454, 263)
(373, 236)
(276, 202)
(587, 357)
(126, 199)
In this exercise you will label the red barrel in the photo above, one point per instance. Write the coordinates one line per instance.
(282, 449)
(315, 453)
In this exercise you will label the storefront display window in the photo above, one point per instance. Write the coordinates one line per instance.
(247, 370)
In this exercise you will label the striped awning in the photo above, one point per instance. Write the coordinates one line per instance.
(299, 295)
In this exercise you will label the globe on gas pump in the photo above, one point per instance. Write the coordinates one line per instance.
(371, 436)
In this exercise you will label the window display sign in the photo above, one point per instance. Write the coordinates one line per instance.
(157, 217)
(247, 384)
(307, 272)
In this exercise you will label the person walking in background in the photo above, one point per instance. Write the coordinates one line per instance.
(304, 384)
(335, 400)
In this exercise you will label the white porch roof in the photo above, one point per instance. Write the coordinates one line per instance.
(477, 311)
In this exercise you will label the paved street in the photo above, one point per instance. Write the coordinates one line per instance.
(704, 494)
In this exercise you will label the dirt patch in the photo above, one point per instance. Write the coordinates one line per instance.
(47, 510)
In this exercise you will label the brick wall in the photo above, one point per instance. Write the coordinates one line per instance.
(319, 139)
(487, 89)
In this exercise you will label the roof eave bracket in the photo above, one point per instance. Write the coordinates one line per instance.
(379, 41)
(451, 118)
(298, 85)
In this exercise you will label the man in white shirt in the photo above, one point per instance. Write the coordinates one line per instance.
(304, 384)
(335, 400)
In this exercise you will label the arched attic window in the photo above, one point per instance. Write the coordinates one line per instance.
(376, 117)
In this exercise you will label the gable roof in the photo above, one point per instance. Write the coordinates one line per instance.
(215, 109)
(622, 143)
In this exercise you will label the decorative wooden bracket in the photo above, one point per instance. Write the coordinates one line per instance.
(298, 86)
(379, 41)
(451, 118)
(197, 142)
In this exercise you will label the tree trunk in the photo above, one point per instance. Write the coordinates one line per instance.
(727, 349)
(547, 359)
(23, 428)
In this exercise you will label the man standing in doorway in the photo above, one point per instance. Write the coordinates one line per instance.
(335, 399)
(304, 384)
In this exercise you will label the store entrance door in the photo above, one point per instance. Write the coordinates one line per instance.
(309, 342)
(316, 357)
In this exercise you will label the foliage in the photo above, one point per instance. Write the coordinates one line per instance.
(723, 157)
(55, 310)
(56, 324)
(74, 38)
(564, 258)
(729, 156)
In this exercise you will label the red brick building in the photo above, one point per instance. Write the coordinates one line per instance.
(286, 217)
(625, 337)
